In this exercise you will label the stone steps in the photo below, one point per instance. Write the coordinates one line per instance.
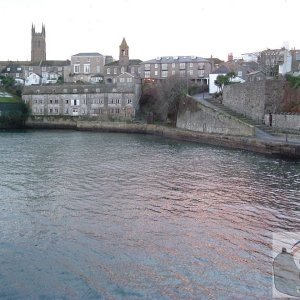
(241, 117)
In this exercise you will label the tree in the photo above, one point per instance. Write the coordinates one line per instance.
(269, 61)
(162, 99)
(221, 81)
(294, 81)
(7, 81)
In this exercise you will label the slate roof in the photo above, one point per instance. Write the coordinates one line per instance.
(133, 62)
(88, 54)
(80, 89)
(221, 70)
(13, 68)
(176, 59)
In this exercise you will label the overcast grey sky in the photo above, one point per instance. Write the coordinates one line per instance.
(151, 28)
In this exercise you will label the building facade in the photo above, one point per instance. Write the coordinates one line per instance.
(190, 68)
(114, 101)
(84, 66)
(124, 64)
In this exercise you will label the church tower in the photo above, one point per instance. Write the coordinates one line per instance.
(38, 44)
(124, 54)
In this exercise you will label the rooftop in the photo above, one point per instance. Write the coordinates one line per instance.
(171, 59)
(88, 54)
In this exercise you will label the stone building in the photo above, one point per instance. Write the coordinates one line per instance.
(113, 101)
(85, 66)
(190, 68)
(38, 44)
(124, 64)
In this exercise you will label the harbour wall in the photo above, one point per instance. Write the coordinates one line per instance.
(269, 147)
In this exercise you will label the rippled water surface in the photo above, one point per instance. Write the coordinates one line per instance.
(99, 215)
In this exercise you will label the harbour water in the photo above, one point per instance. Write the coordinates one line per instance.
(89, 215)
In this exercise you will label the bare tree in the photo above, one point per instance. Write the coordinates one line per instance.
(269, 61)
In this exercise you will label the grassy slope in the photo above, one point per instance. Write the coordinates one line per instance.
(8, 99)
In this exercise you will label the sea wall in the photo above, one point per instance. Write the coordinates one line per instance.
(282, 149)
(197, 116)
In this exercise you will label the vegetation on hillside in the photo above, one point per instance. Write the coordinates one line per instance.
(14, 111)
(160, 101)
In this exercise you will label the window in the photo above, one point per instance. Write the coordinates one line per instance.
(182, 66)
(147, 67)
(44, 74)
(240, 73)
(122, 70)
(201, 73)
(164, 74)
(108, 71)
(164, 67)
(56, 101)
(182, 73)
(30, 68)
(56, 110)
(35, 101)
(8, 69)
(191, 65)
(129, 79)
(156, 73)
(173, 72)
(147, 74)
(115, 70)
(59, 69)
(67, 101)
(17, 75)
(122, 79)
(156, 66)
(51, 101)
(19, 69)
(132, 70)
(173, 65)
(129, 101)
(76, 68)
(86, 68)
(75, 102)
(201, 65)
(50, 110)
(40, 101)
(191, 73)
(66, 110)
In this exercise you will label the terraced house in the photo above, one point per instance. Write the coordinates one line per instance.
(114, 101)
(190, 68)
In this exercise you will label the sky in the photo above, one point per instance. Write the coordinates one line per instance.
(151, 28)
